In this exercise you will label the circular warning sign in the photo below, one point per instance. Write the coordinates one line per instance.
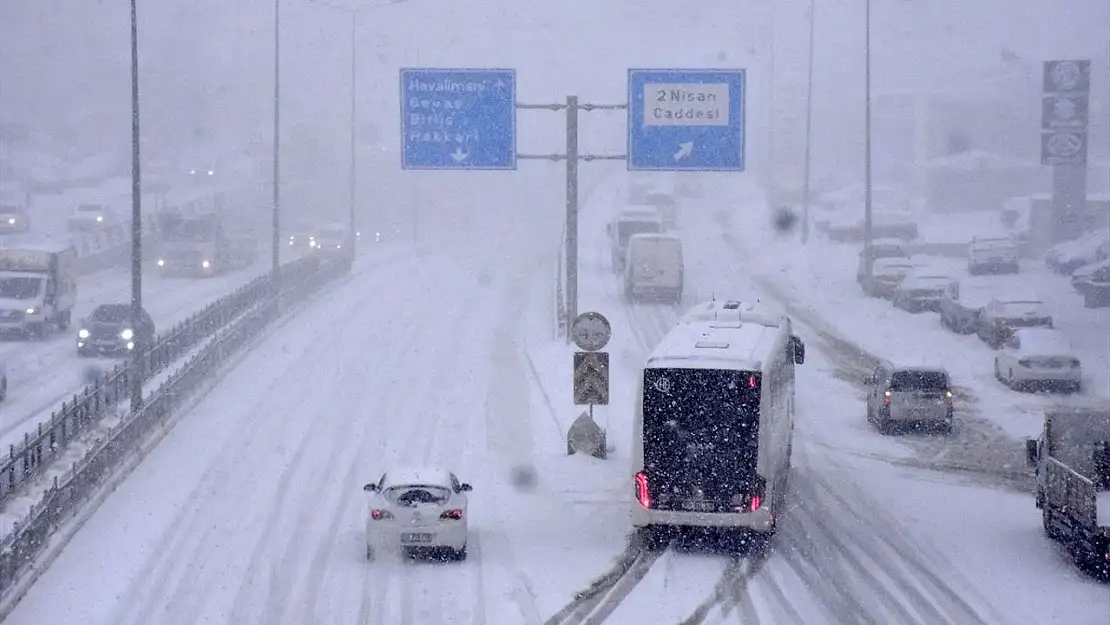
(1066, 75)
(591, 331)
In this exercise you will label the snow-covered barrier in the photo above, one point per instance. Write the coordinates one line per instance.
(109, 247)
(226, 324)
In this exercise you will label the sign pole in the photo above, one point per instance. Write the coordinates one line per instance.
(1065, 109)
(572, 207)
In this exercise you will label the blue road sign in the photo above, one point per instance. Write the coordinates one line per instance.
(686, 119)
(458, 119)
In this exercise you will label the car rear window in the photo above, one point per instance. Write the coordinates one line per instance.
(919, 381)
(412, 496)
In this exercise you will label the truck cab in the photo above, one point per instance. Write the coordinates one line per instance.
(38, 288)
(1071, 461)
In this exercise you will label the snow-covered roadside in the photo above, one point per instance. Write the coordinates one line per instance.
(819, 281)
(993, 538)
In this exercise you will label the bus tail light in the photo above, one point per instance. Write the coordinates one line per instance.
(643, 495)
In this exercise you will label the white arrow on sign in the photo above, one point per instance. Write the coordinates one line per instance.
(459, 155)
(684, 150)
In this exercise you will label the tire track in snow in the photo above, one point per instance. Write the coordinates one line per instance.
(175, 561)
(427, 419)
(978, 447)
(344, 447)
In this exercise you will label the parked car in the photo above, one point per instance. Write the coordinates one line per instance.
(909, 395)
(90, 217)
(921, 289)
(962, 304)
(880, 248)
(1001, 316)
(993, 255)
(1037, 357)
(13, 219)
(1093, 283)
(1068, 256)
(886, 273)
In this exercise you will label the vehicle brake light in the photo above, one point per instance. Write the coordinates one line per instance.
(380, 515)
(642, 494)
(453, 515)
(886, 398)
(757, 501)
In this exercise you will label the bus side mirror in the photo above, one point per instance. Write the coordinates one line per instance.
(1031, 452)
(799, 349)
(370, 488)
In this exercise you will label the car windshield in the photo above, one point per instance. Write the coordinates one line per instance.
(8, 209)
(914, 380)
(20, 288)
(90, 208)
(113, 313)
(412, 496)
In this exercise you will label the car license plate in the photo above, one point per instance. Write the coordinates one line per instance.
(697, 506)
(416, 538)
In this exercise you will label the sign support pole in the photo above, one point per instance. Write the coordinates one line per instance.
(572, 207)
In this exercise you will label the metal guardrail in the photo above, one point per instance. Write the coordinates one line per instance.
(30, 458)
(246, 318)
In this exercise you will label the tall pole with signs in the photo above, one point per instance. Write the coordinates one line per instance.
(1065, 104)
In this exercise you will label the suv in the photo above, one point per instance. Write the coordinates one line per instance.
(917, 395)
(880, 248)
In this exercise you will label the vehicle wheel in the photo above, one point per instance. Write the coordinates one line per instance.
(885, 426)
(870, 414)
(369, 553)
(64, 320)
(1010, 378)
(946, 427)
(460, 554)
(3, 389)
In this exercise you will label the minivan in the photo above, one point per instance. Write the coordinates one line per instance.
(654, 268)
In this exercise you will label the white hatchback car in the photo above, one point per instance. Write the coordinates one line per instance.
(418, 508)
(1037, 356)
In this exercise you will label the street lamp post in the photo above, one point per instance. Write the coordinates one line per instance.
(277, 144)
(139, 346)
(809, 125)
(867, 226)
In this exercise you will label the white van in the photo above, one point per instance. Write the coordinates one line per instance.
(654, 268)
(630, 221)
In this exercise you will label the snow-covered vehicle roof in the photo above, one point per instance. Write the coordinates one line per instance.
(925, 278)
(1041, 342)
(639, 213)
(894, 265)
(417, 476)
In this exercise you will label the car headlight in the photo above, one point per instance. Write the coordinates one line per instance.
(83, 333)
(11, 221)
(127, 334)
(99, 219)
(30, 311)
(205, 264)
(161, 263)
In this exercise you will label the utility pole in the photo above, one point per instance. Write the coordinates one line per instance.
(276, 268)
(809, 126)
(351, 176)
(139, 346)
(867, 226)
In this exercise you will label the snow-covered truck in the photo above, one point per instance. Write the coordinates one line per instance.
(205, 238)
(1071, 458)
(38, 287)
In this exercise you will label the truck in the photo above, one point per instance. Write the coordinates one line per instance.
(205, 237)
(1071, 459)
(38, 288)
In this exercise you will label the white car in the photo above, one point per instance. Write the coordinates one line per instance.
(418, 508)
(1037, 356)
(886, 274)
(921, 289)
(992, 254)
(90, 217)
